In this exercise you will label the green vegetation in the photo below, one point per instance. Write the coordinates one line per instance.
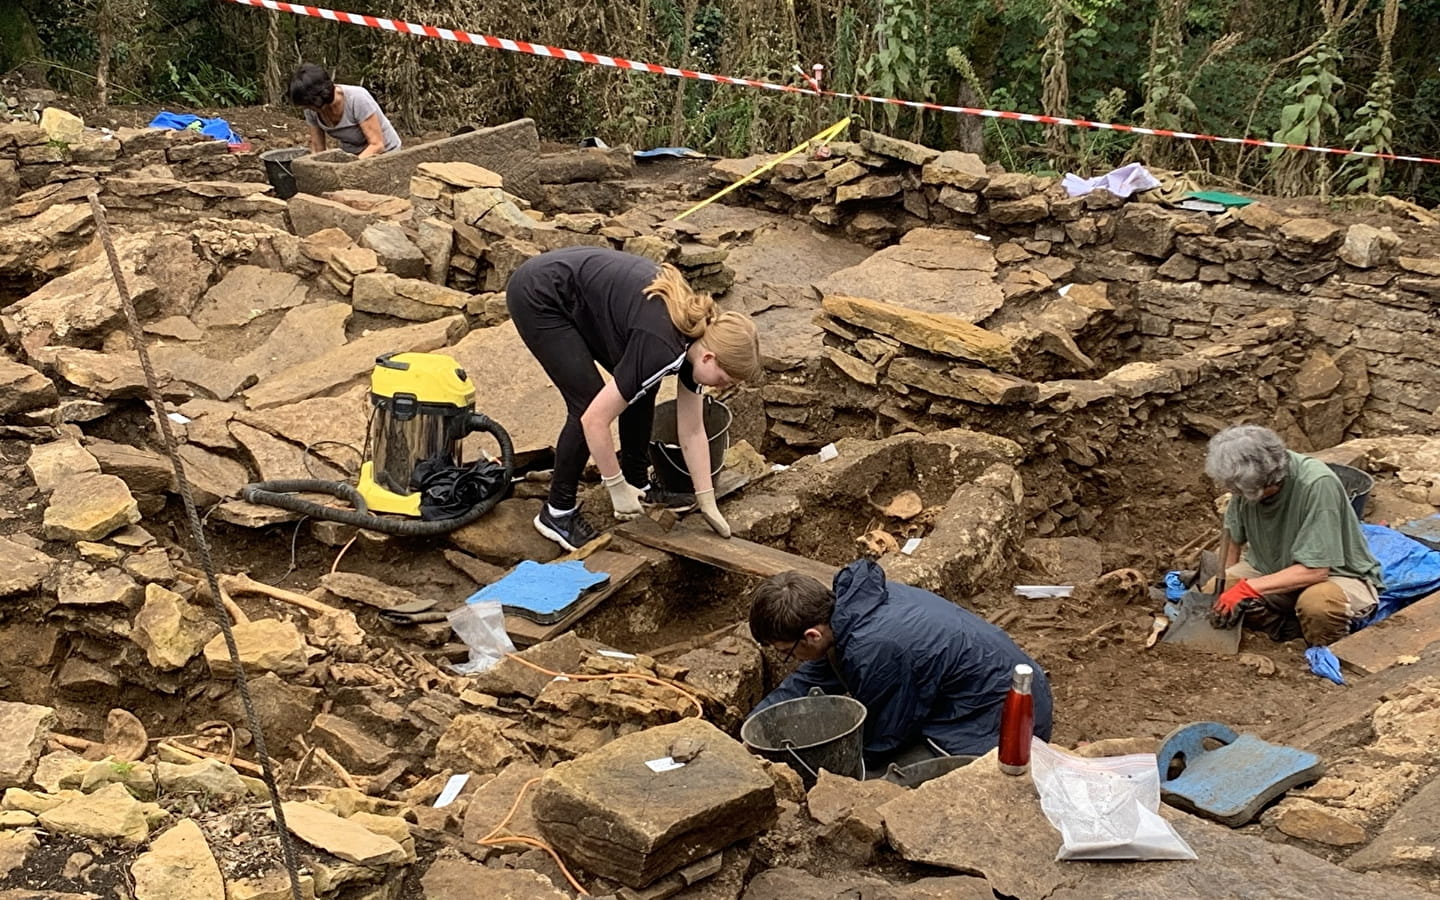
(1359, 73)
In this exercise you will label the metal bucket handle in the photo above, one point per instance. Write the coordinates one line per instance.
(789, 747)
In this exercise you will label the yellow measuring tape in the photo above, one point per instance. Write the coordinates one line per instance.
(823, 137)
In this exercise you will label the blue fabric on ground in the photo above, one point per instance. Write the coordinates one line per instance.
(1323, 663)
(676, 152)
(215, 129)
(1411, 570)
(541, 587)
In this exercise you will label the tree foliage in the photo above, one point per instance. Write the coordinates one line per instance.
(1222, 67)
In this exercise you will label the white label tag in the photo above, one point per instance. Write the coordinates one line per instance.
(616, 654)
(982, 237)
(452, 790)
(910, 546)
(1065, 289)
(828, 452)
(663, 764)
(177, 418)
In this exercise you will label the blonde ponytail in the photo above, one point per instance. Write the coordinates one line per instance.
(690, 311)
(731, 336)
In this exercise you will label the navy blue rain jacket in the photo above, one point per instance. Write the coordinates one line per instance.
(923, 667)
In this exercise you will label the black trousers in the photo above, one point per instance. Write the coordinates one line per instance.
(562, 351)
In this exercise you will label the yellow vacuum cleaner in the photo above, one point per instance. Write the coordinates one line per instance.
(422, 409)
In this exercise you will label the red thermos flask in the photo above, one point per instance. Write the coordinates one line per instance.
(1017, 723)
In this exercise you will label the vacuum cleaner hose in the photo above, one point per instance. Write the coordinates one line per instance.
(281, 494)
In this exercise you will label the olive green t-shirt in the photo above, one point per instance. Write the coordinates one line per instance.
(1309, 521)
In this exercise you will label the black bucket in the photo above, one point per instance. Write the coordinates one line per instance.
(277, 169)
(1357, 486)
(665, 453)
(822, 731)
(916, 774)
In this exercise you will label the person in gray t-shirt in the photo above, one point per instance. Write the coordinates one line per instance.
(345, 112)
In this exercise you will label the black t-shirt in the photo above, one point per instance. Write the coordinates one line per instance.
(603, 292)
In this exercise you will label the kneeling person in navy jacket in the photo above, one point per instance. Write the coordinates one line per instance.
(932, 676)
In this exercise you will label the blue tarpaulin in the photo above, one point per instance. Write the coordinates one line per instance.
(215, 129)
(1411, 570)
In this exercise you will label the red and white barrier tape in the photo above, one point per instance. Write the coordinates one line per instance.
(597, 59)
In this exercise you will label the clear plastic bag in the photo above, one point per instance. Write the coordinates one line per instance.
(1104, 808)
(482, 627)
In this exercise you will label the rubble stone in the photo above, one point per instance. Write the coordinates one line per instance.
(106, 376)
(265, 645)
(397, 253)
(178, 866)
(212, 477)
(15, 847)
(79, 586)
(22, 568)
(504, 536)
(476, 742)
(89, 507)
(1317, 377)
(944, 335)
(356, 750)
(108, 814)
(611, 814)
(170, 629)
(1311, 821)
(1409, 844)
(309, 214)
(953, 168)
(454, 878)
(406, 298)
(56, 462)
(24, 729)
(23, 388)
(348, 840)
(143, 471)
(1147, 230)
(1305, 239)
(209, 777)
(1366, 246)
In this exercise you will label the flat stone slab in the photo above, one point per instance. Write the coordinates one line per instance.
(1406, 633)
(614, 816)
(793, 884)
(980, 821)
(511, 388)
(944, 272)
(178, 866)
(247, 292)
(23, 731)
(89, 507)
(329, 426)
(320, 377)
(1409, 844)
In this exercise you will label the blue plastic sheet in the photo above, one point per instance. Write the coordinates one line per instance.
(1411, 570)
(1323, 663)
(215, 129)
(540, 587)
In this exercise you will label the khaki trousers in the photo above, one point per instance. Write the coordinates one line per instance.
(1321, 613)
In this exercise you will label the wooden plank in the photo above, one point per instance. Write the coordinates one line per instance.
(1406, 633)
(696, 541)
(620, 566)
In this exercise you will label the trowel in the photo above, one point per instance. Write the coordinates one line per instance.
(1191, 626)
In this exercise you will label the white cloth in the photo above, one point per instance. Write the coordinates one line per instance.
(1121, 182)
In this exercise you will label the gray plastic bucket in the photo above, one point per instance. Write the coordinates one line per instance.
(665, 453)
(916, 774)
(822, 731)
(277, 169)
(1357, 485)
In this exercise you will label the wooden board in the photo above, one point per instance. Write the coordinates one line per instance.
(1406, 633)
(694, 540)
(621, 567)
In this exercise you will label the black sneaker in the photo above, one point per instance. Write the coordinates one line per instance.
(570, 531)
(675, 501)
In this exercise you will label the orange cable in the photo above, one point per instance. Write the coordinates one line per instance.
(490, 840)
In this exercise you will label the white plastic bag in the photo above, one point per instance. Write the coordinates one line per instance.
(482, 627)
(1104, 808)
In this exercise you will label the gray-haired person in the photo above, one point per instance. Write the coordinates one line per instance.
(1299, 565)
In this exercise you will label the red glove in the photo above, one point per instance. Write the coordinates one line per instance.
(1234, 596)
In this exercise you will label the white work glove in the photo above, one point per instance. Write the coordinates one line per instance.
(705, 502)
(624, 496)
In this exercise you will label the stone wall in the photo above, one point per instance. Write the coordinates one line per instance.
(1363, 299)
(29, 160)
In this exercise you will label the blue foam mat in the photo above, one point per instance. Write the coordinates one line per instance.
(540, 591)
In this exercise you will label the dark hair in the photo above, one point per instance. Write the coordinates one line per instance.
(311, 87)
(785, 606)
